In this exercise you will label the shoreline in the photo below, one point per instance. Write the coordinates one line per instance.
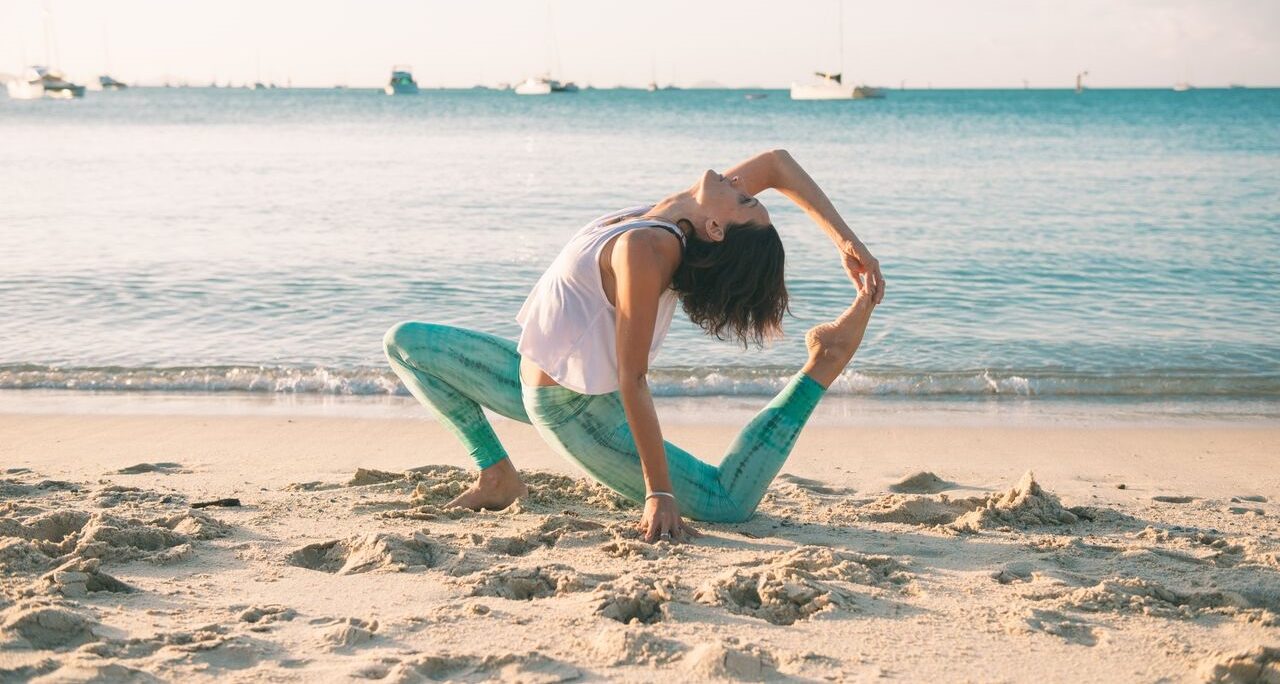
(833, 410)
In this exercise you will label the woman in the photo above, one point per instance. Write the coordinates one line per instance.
(597, 317)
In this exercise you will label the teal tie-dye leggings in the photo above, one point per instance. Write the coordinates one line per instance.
(455, 372)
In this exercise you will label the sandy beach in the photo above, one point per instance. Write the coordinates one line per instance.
(1133, 553)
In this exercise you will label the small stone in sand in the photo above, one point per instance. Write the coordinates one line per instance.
(1173, 499)
(140, 468)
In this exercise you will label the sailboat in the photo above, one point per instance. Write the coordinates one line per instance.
(43, 81)
(544, 84)
(830, 86)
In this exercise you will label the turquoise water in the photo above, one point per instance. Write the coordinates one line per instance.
(1118, 244)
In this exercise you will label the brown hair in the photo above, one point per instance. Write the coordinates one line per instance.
(734, 288)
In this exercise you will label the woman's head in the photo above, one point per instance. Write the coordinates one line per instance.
(733, 287)
(721, 203)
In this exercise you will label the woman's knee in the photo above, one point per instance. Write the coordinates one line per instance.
(406, 336)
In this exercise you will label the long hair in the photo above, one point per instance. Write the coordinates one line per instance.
(734, 289)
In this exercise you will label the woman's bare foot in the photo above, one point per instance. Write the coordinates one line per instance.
(832, 344)
(497, 487)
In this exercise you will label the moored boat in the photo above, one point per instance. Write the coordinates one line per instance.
(401, 81)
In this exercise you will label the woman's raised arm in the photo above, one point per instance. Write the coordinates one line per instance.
(778, 170)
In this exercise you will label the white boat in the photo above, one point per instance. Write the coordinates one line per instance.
(1182, 87)
(40, 82)
(830, 86)
(534, 85)
(401, 82)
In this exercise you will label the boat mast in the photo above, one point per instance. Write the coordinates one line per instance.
(48, 36)
(555, 47)
(840, 22)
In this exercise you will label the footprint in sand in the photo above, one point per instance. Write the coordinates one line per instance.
(633, 599)
(1052, 622)
(614, 647)
(730, 661)
(515, 667)
(374, 551)
(524, 584)
(799, 584)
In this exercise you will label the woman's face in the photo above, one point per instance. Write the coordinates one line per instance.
(725, 203)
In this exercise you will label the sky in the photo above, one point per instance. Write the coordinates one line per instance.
(739, 43)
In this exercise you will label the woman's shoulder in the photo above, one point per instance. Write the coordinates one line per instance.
(652, 244)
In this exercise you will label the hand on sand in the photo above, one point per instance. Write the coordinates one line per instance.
(662, 522)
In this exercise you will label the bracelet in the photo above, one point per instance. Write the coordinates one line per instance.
(650, 495)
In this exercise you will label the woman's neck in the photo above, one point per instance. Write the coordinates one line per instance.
(680, 209)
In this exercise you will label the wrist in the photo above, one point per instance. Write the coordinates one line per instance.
(656, 494)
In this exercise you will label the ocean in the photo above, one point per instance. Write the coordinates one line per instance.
(1119, 245)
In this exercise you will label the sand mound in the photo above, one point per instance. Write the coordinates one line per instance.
(915, 510)
(809, 486)
(633, 599)
(534, 668)
(1259, 665)
(26, 673)
(78, 578)
(206, 638)
(1145, 597)
(613, 647)
(140, 468)
(920, 482)
(1025, 505)
(115, 539)
(729, 661)
(1054, 623)
(41, 625)
(799, 584)
(18, 556)
(565, 528)
(54, 526)
(373, 551)
(265, 615)
(349, 633)
(120, 496)
(523, 584)
(365, 476)
(194, 525)
(73, 534)
(554, 491)
(629, 548)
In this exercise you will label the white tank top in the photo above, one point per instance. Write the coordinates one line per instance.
(567, 323)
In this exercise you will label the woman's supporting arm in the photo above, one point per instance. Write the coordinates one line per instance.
(776, 169)
(643, 262)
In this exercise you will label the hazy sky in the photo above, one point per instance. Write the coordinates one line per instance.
(946, 43)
